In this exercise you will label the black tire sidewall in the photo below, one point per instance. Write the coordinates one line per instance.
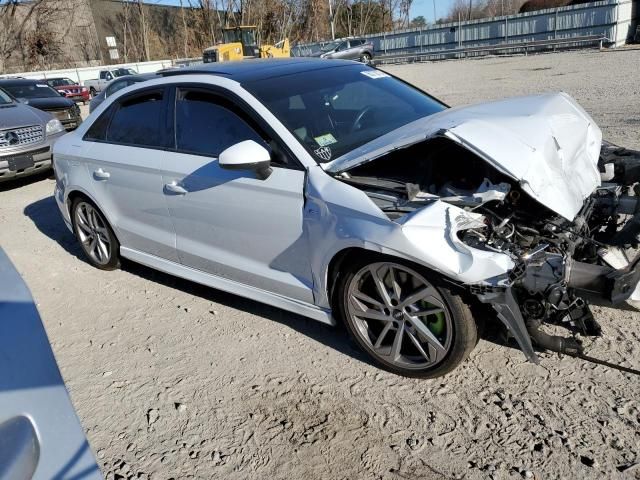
(464, 335)
(114, 260)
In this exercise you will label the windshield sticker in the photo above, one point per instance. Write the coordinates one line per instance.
(40, 85)
(374, 74)
(324, 153)
(326, 139)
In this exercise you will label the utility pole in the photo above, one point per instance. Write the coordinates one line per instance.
(435, 17)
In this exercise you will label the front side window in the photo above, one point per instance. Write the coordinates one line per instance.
(207, 124)
(335, 110)
(60, 82)
(139, 121)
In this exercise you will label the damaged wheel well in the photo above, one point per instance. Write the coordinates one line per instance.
(351, 255)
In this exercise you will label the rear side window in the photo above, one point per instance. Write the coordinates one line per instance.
(206, 124)
(139, 121)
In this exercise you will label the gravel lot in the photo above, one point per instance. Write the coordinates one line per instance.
(174, 380)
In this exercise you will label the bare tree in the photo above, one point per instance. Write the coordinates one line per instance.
(143, 30)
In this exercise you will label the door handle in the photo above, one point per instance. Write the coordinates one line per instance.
(173, 187)
(101, 174)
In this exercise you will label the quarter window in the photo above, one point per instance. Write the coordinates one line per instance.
(207, 125)
(138, 121)
(98, 130)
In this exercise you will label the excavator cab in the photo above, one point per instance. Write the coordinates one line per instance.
(246, 36)
(239, 43)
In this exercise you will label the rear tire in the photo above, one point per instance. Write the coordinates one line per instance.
(401, 316)
(97, 240)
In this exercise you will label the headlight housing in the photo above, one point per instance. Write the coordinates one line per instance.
(54, 126)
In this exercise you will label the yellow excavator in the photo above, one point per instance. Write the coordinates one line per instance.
(239, 43)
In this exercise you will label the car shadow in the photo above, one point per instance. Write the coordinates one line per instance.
(46, 217)
(332, 337)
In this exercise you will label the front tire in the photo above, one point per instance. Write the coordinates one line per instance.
(97, 240)
(403, 319)
(365, 58)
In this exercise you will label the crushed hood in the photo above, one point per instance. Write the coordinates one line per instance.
(548, 143)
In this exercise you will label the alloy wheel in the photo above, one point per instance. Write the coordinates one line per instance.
(399, 316)
(93, 233)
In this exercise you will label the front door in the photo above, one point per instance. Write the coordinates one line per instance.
(231, 223)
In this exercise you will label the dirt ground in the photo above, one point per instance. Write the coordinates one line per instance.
(174, 380)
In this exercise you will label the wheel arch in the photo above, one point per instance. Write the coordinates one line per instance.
(78, 192)
(352, 254)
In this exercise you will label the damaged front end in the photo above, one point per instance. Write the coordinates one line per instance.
(538, 266)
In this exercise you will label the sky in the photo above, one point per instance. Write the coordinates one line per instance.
(419, 7)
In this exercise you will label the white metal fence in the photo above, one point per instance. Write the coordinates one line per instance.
(612, 19)
(87, 73)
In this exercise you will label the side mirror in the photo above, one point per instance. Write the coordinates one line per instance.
(247, 155)
(62, 94)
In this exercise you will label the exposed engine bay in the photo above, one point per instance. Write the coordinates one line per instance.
(561, 265)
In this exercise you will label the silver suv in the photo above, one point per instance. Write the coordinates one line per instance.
(348, 49)
(27, 136)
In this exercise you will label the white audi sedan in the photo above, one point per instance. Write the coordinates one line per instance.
(338, 192)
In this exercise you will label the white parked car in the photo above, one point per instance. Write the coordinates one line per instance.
(336, 191)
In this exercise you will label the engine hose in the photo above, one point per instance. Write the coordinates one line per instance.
(555, 343)
(570, 347)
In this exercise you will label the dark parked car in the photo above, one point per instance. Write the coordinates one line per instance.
(26, 137)
(118, 84)
(40, 95)
(348, 49)
(72, 90)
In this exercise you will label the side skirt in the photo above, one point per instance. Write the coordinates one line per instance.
(231, 286)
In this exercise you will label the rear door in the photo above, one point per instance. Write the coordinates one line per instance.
(229, 222)
(130, 140)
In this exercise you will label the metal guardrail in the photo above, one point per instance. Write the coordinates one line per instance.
(504, 48)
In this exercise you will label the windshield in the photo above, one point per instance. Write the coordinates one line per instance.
(329, 46)
(121, 72)
(4, 98)
(334, 111)
(31, 90)
(60, 82)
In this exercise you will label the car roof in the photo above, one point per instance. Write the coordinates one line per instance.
(19, 81)
(259, 69)
(139, 76)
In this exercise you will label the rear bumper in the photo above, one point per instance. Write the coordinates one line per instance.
(41, 159)
(58, 194)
